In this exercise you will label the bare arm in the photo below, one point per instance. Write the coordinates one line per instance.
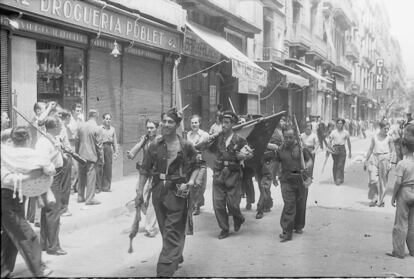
(348, 140)
(371, 148)
(115, 145)
(135, 150)
(397, 187)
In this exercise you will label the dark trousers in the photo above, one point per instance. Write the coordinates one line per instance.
(247, 184)
(31, 209)
(294, 209)
(87, 181)
(339, 163)
(227, 192)
(171, 212)
(104, 177)
(17, 236)
(50, 216)
(66, 182)
(265, 182)
(321, 138)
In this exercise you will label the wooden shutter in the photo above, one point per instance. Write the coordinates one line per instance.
(4, 74)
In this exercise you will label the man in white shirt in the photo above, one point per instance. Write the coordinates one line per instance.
(50, 214)
(310, 142)
(337, 140)
(196, 136)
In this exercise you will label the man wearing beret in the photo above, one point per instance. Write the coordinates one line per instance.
(171, 160)
(337, 140)
(230, 149)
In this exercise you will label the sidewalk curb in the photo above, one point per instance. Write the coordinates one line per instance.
(113, 204)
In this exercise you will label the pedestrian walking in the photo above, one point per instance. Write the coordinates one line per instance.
(89, 146)
(403, 199)
(310, 142)
(230, 150)
(275, 142)
(144, 183)
(50, 213)
(196, 136)
(337, 140)
(17, 234)
(264, 179)
(172, 161)
(68, 161)
(294, 193)
(321, 130)
(382, 149)
(110, 152)
(76, 119)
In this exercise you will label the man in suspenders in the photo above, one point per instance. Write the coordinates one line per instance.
(171, 160)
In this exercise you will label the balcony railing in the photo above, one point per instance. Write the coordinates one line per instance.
(352, 52)
(319, 46)
(273, 54)
(301, 35)
(344, 63)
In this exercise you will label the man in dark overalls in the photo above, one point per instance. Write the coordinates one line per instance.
(171, 160)
(230, 150)
(294, 193)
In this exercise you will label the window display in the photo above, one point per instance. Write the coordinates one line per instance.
(60, 74)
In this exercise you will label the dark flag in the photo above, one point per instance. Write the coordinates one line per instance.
(257, 132)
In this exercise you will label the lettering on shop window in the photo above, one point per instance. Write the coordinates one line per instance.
(102, 20)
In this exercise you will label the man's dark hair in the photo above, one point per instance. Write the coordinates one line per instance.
(20, 135)
(92, 113)
(51, 122)
(383, 123)
(156, 123)
(195, 116)
(64, 114)
(105, 114)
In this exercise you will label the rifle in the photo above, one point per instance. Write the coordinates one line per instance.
(75, 156)
(307, 179)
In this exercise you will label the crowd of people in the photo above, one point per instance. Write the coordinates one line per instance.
(173, 172)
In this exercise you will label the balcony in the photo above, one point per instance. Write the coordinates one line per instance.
(273, 4)
(319, 47)
(343, 65)
(342, 12)
(273, 55)
(300, 36)
(351, 51)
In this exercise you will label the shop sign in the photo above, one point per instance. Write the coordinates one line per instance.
(99, 19)
(37, 28)
(255, 76)
(379, 75)
(143, 53)
(196, 47)
(107, 44)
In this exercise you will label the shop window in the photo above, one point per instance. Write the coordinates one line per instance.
(60, 74)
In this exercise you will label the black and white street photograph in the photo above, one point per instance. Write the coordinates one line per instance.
(207, 138)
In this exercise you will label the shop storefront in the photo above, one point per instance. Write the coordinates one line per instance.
(282, 82)
(241, 80)
(199, 82)
(61, 52)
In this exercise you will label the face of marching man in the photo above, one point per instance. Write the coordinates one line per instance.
(289, 137)
(169, 126)
(227, 125)
(195, 123)
(152, 130)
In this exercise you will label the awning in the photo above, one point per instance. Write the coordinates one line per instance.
(293, 78)
(314, 74)
(242, 67)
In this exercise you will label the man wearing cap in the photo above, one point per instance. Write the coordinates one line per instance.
(230, 149)
(337, 140)
(171, 160)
